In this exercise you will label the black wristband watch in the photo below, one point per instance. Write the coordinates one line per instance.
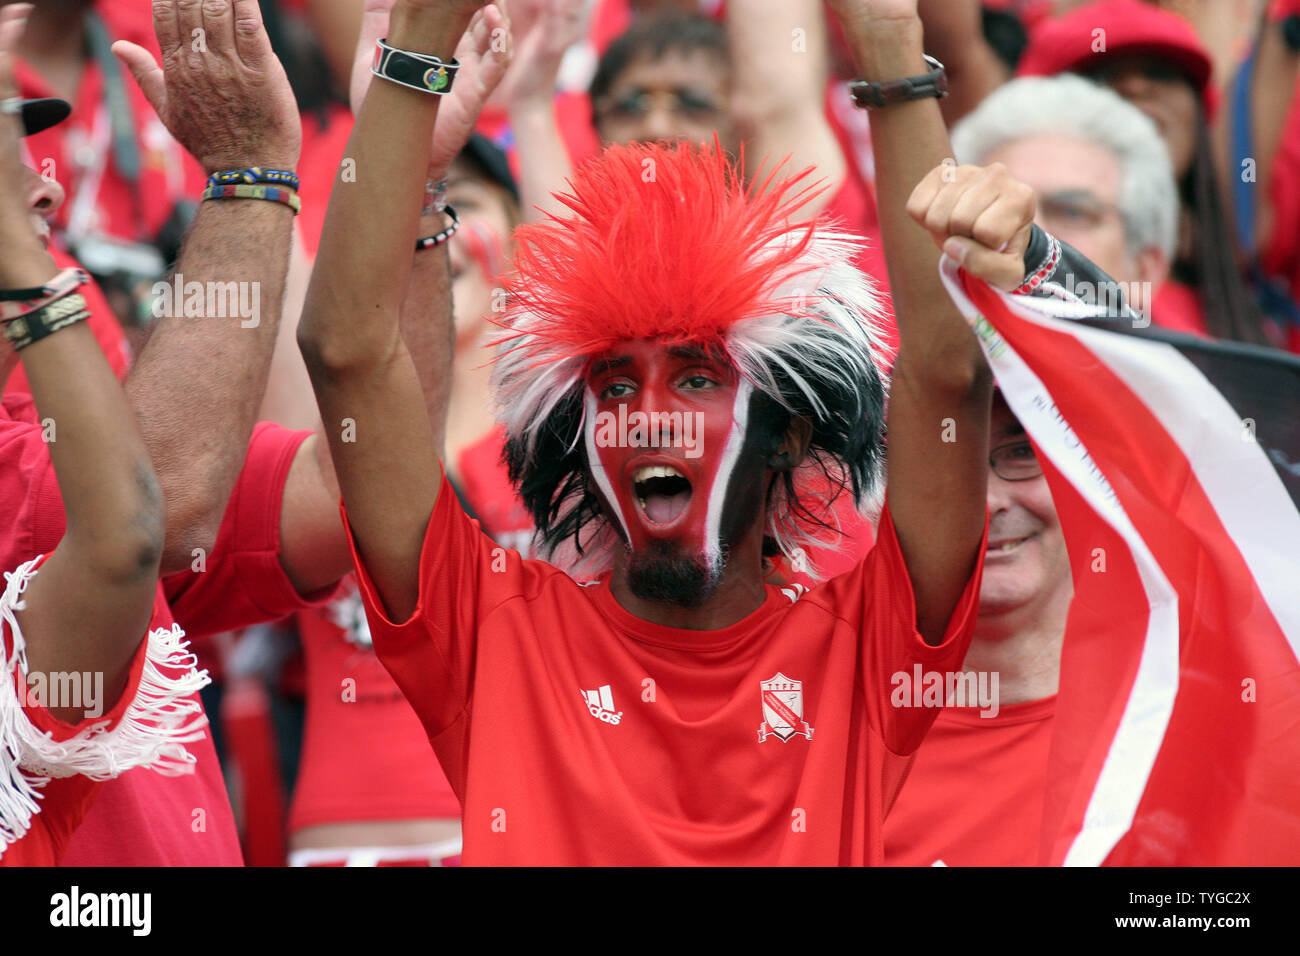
(867, 95)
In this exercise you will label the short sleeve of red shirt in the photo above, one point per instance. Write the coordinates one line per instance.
(64, 801)
(243, 582)
(458, 585)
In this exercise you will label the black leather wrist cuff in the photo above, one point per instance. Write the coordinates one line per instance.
(420, 71)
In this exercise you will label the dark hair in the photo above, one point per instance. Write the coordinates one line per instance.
(1214, 268)
(846, 446)
(652, 37)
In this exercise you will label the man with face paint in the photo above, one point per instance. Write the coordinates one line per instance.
(675, 710)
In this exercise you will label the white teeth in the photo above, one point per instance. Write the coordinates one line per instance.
(656, 471)
(641, 502)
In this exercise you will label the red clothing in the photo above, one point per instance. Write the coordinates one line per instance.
(975, 794)
(65, 801)
(323, 145)
(365, 755)
(31, 514)
(100, 197)
(516, 671)
(142, 819)
(1177, 307)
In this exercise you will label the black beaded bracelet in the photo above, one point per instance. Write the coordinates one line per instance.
(428, 242)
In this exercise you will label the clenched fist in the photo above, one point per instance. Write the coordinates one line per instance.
(980, 216)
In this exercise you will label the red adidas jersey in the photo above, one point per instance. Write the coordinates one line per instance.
(578, 734)
(975, 794)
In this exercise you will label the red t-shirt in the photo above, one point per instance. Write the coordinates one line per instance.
(1177, 307)
(31, 514)
(141, 818)
(65, 801)
(577, 734)
(365, 755)
(975, 794)
(100, 197)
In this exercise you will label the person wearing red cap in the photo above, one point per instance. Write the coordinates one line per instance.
(1155, 60)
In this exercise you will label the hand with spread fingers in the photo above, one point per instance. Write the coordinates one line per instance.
(483, 54)
(220, 91)
(980, 216)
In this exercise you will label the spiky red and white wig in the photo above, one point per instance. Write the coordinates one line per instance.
(668, 243)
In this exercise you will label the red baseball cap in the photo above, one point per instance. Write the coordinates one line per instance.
(1069, 43)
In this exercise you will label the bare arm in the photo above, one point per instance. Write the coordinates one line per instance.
(90, 603)
(786, 117)
(941, 383)
(314, 552)
(200, 379)
(543, 31)
(360, 367)
(954, 34)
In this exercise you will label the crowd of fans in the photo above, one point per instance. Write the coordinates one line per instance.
(1161, 140)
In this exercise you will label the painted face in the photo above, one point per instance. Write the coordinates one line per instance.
(666, 430)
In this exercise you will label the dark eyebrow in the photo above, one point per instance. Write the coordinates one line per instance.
(1011, 429)
(692, 353)
(608, 364)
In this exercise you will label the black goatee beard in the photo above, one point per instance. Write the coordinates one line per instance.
(665, 574)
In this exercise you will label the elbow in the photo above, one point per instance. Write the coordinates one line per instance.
(193, 521)
(331, 356)
(132, 549)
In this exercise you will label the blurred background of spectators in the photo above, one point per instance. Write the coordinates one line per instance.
(1220, 86)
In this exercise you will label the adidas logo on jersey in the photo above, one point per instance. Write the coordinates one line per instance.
(600, 703)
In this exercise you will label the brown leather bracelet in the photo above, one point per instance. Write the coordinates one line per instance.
(868, 95)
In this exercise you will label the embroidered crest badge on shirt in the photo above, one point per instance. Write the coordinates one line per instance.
(783, 709)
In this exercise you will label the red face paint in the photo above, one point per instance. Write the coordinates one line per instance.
(665, 426)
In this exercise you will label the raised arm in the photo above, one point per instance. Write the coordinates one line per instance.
(314, 550)
(198, 384)
(89, 605)
(940, 394)
(543, 30)
(382, 444)
(778, 56)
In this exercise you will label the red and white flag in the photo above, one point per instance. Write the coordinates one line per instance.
(1175, 470)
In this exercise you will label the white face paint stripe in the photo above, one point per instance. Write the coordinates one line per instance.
(598, 473)
(722, 478)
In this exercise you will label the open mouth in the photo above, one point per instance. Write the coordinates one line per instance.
(662, 493)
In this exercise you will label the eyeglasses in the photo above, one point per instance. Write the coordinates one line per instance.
(1015, 462)
(636, 103)
(1072, 211)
